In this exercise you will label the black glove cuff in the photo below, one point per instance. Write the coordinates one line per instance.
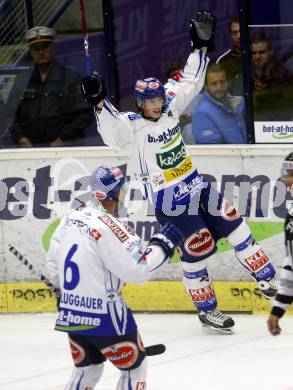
(167, 245)
(277, 311)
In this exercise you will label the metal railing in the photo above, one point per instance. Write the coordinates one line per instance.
(17, 16)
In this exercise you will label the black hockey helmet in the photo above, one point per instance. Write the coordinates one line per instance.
(287, 165)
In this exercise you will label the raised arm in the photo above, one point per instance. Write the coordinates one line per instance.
(202, 32)
(113, 126)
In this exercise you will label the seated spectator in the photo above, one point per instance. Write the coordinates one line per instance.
(51, 111)
(173, 71)
(272, 83)
(231, 60)
(218, 117)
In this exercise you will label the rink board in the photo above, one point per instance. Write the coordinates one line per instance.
(38, 187)
(153, 296)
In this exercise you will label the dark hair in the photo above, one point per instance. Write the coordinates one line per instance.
(260, 37)
(215, 68)
(235, 19)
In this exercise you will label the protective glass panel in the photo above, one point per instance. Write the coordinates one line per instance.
(157, 43)
(272, 72)
(13, 81)
(271, 46)
(37, 109)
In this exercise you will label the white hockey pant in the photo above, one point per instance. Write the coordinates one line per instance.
(85, 378)
(133, 379)
(198, 285)
(250, 254)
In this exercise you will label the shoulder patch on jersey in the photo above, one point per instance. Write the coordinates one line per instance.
(133, 116)
(83, 227)
(114, 227)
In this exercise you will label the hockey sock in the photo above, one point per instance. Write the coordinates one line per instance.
(133, 379)
(85, 378)
(250, 254)
(198, 285)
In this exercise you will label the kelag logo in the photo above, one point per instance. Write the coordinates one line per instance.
(171, 158)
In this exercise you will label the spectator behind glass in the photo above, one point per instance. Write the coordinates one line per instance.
(231, 60)
(173, 71)
(51, 111)
(218, 118)
(272, 83)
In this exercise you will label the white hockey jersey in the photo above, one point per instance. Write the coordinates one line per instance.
(91, 256)
(158, 156)
(284, 296)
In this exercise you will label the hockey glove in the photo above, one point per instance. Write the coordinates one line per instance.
(168, 237)
(202, 30)
(93, 88)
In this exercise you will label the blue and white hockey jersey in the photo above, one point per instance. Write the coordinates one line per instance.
(91, 256)
(158, 156)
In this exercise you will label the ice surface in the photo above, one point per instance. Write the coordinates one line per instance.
(34, 356)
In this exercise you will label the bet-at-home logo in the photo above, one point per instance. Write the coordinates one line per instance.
(41, 197)
(171, 158)
(166, 136)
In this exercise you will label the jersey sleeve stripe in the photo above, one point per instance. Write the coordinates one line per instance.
(111, 109)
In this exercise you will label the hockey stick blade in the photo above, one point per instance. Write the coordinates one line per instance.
(156, 349)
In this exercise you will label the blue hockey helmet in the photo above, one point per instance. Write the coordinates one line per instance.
(105, 182)
(149, 88)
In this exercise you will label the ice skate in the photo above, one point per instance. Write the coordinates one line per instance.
(216, 322)
(269, 287)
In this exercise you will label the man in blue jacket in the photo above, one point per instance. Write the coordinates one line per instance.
(218, 118)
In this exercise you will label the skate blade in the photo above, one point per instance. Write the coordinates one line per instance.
(211, 330)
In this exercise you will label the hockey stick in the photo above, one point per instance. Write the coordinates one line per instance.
(151, 350)
(88, 60)
(29, 265)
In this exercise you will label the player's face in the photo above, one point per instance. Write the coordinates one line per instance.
(42, 52)
(152, 108)
(235, 34)
(217, 85)
(287, 178)
(261, 54)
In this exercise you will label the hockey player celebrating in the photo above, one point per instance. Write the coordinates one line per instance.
(91, 256)
(158, 157)
(284, 296)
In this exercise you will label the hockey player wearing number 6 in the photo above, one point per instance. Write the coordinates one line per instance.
(91, 255)
(181, 196)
